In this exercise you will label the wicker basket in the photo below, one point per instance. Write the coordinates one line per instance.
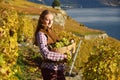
(70, 48)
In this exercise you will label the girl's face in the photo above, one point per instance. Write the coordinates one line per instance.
(48, 20)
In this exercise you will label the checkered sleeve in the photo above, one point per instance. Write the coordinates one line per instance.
(50, 55)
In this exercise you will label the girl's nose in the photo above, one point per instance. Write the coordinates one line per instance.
(50, 21)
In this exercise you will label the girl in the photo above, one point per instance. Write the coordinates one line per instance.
(53, 65)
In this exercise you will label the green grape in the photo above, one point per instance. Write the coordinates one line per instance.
(57, 45)
(66, 42)
(63, 39)
(62, 44)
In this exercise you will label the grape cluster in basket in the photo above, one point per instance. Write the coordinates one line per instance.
(62, 46)
(62, 43)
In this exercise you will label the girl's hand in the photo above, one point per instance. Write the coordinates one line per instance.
(68, 57)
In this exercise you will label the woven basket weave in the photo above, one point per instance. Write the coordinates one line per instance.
(70, 48)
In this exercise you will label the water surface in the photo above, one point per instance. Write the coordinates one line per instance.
(106, 19)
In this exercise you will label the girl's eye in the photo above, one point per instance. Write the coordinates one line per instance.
(47, 19)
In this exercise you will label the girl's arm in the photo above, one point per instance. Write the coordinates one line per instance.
(49, 55)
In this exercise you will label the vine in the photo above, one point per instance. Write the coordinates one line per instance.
(103, 63)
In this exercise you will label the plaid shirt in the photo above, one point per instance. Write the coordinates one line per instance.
(49, 55)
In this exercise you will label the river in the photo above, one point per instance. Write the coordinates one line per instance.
(106, 19)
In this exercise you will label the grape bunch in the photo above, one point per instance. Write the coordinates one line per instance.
(63, 42)
(61, 46)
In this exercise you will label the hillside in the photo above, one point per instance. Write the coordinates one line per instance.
(81, 3)
(32, 8)
(98, 56)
